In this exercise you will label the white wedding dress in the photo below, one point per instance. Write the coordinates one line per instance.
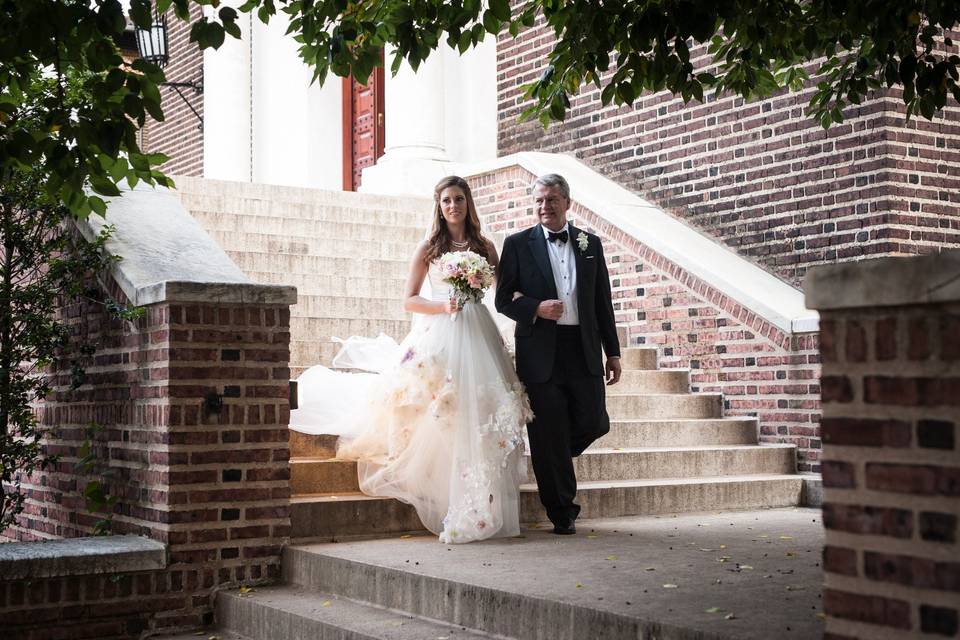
(439, 424)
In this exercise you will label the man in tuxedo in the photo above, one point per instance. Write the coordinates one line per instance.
(552, 280)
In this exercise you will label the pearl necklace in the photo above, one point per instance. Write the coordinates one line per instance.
(460, 245)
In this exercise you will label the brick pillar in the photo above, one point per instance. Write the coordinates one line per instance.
(194, 401)
(890, 342)
(228, 454)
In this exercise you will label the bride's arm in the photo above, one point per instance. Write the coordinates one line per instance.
(412, 300)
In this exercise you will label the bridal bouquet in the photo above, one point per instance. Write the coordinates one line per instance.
(468, 273)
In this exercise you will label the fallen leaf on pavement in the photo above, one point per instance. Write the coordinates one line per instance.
(669, 586)
(611, 557)
(729, 616)
(713, 610)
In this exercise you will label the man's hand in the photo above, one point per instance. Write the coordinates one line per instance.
(550, 309)
(613, 370)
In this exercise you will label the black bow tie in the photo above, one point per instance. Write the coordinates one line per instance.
(561, 236)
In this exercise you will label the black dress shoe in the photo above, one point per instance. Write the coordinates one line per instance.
(565, 529)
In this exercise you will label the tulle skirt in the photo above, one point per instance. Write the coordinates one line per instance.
(437, 424)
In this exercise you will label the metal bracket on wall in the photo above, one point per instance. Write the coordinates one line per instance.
(196, 86)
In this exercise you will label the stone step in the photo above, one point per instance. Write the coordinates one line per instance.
(250, 261)
(622, 406)
(411, 217)
(326, 517)
(596, 465)
(308, 245)
(638, 358)
(679, 433)
(329, 517)
(321, 330)
(615, 498)
(312, 307)
(291, 612)
(653, 381)
(308, 445)
(623, 434)
(323, 475)
(331, 231)
(309, 353)
(188, 185)
(308, 284)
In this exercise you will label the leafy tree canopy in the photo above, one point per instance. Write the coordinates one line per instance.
(623, 47)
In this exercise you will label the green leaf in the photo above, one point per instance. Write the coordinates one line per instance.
(98, 205)
(103, 186)
(490, 22)
(500, 9)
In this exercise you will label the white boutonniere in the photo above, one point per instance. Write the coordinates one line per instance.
(582, 242)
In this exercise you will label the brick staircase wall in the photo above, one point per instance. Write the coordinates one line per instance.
(891, 473)
(193, 399)
(761, 370)
(212, 484)
(761, 176)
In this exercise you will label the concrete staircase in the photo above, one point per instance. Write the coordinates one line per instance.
(668, 450)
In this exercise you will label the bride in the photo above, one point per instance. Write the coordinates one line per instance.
(440, 425)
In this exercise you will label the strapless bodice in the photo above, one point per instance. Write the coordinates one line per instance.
(439, 290)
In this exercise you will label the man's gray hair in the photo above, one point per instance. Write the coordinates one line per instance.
(553, 180)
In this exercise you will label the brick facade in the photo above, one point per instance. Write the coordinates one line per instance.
(761, 370)
(179, 136)
(210, 481)
(760, 176)
(891, 391)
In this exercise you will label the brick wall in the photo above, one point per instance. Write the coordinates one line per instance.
(891, 471)
(179, 136)
(760, 176)
(210, 482)
(761, 370)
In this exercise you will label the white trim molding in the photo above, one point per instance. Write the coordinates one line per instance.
(753, 287)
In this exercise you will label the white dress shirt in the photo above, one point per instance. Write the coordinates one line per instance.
(564, 265)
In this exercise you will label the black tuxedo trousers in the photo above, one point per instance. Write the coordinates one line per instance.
(569, 413)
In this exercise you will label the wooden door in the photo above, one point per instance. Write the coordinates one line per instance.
(362, 126)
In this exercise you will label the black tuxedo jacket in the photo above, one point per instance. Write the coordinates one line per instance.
(525, 267)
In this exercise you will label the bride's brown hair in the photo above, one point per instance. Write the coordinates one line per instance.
(440, 241)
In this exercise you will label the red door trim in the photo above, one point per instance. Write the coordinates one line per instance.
(347, 129)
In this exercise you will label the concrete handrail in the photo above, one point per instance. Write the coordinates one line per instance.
(750, 285)
(167, 256)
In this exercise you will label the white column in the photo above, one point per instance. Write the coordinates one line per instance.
(226, 107)
(441, 117)
(296, 137)
(415, 155)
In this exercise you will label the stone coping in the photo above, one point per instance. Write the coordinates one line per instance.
(165, 252)
(753, 287)
(885, 282)
(80, 556)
